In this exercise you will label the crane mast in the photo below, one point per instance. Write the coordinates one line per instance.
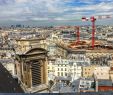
(93, 19)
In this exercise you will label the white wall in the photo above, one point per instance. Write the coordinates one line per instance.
(102, 72)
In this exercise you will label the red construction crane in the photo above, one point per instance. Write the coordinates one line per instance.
(78, 41)
(77, 28)
(93, 19)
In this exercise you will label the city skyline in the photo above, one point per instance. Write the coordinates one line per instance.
(53, 12)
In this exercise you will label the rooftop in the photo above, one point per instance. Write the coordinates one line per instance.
(105, 83)
(7, 83)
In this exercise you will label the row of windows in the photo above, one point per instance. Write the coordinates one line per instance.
(50, 67)
(87, 73)
(61, 65)
(96, 73)
(62, 69)
(62, 74)
(94, 69)
(78, 69)
(76, 73)
(65, 74)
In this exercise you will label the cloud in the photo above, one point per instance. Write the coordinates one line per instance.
(21, 1)
(97, 7)
(6, 2)
(52, 9)
(37, 18)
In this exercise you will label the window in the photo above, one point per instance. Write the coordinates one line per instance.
(58, 69)
(65, 69)
(61, 69)
(61, 73)
(58, 74)
(65, 74)
(81, 85)
(82, 82)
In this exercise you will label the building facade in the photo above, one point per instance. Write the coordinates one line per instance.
(102, 72)
(64, 68)
(87, 71)
(31, 68)
(24, 45)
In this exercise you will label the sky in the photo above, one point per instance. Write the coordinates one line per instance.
(53, 12)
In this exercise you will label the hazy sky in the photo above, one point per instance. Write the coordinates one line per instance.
(46, 11)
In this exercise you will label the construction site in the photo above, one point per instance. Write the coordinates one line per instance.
(95, 49)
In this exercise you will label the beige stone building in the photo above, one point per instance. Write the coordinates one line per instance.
(51, 70)
(111, 73)
(31, 68)
(102, 72)
(24, 45)
(87, 71)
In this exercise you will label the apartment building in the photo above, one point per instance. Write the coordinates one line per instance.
(102, 72)
(95, 70)
(51, 70)
(75, 70)
(61, 67)
(87, 71)
(64, 68)
(87, 85)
